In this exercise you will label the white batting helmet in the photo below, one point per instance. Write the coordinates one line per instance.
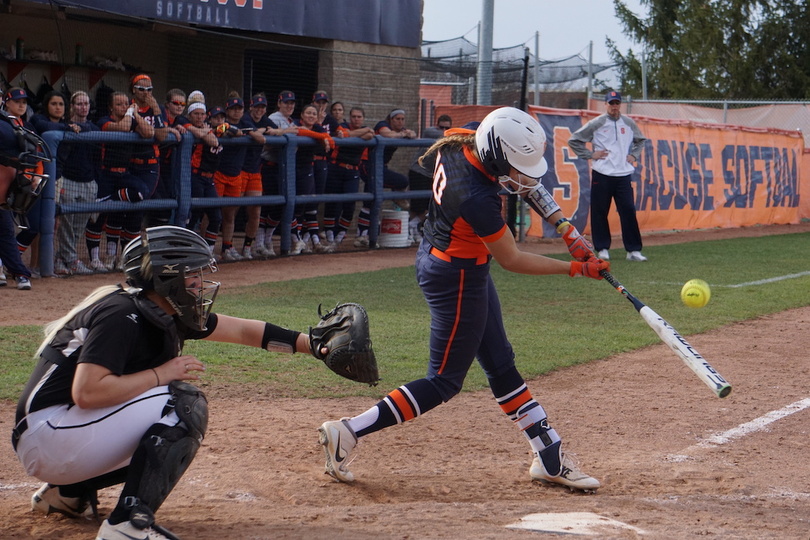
(509, 137)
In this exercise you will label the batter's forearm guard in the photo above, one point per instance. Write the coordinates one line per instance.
(542, 202)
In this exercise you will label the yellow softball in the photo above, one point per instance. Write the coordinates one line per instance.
(696, 293)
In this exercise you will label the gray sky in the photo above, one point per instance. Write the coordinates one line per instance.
(566, 26)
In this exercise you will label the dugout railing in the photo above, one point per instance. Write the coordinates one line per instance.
(182, 205)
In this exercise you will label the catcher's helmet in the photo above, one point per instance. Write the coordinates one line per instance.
(162, 258)
(507, 138)
(25, 151)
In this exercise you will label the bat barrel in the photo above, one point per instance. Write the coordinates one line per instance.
(675, 341)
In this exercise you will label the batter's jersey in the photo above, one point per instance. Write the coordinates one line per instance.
(465, 210)
(114, 332)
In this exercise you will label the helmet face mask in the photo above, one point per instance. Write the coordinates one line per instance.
(509, 138)
(520, 184)
(190, 294)
(173, 262)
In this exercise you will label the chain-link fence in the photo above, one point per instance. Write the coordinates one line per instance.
(783, 115)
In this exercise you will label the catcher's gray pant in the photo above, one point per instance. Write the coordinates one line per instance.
(71, 226)
(69, 445)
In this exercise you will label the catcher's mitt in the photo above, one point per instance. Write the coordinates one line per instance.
(344, 332)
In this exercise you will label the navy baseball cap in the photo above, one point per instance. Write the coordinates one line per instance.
(234, 102)
(215, 111)
(613, 95)
(286, 96)
(16, 93)
(258, 100)
(320, 96)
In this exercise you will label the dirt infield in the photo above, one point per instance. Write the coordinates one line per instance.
(639, 422)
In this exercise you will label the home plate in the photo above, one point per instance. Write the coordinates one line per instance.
(583, 523)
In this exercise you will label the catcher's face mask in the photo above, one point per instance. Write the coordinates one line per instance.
(25, 189)
(197, 298)
(188, 291)
(27, 159)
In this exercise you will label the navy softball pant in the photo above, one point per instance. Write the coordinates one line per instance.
(605, 189)
(466, 321)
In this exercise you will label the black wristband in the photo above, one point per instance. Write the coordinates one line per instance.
(278, 337)
(560, 222)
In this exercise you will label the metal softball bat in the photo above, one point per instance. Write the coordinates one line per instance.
(675, 341)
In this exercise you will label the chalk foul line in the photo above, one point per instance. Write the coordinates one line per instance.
(739, 285)
(742, 430)
(769, 280)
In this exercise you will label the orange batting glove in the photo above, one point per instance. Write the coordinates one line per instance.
(591, 268)
(578, 246)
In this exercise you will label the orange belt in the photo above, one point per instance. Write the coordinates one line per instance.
(320, 158)
(346, 165)
(138, 161)
(204, 174)
(116, 169)
(483, 259)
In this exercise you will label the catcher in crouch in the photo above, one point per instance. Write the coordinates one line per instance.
(108, 403)
(463, 231)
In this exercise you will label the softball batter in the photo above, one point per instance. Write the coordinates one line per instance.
(463, 231)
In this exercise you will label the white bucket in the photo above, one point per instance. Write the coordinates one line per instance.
(393, 229)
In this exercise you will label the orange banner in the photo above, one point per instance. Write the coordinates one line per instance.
(690, 176)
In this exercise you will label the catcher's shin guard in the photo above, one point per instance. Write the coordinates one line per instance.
(165, 452)
(191, 407)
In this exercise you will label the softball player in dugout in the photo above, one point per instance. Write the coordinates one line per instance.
(110, 400)
(464, 230)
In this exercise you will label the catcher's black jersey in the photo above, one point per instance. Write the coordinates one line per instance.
(465, 210)
(114, 332)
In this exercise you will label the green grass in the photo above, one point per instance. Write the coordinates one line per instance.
(552, 321)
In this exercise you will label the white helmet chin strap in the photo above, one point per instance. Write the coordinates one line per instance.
(520, 186)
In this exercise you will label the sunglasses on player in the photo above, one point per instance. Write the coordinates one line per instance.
(143, 88)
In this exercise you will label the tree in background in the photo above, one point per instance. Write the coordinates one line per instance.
(781, 56)
(717, 49)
